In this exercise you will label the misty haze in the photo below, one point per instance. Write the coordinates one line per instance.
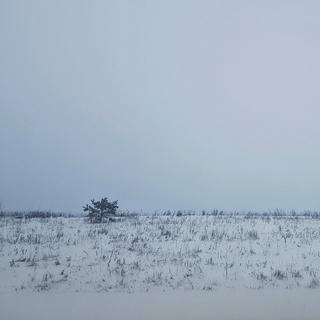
(159, 159)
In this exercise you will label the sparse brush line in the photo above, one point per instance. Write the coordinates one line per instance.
(127, 214)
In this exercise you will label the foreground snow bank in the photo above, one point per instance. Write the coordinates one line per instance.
(221, 304)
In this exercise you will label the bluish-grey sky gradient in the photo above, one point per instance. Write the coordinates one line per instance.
(160, 104)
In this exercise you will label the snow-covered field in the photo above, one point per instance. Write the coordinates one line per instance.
(157, 267)
(157, 253)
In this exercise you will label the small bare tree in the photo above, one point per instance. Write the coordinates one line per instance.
(99, 211)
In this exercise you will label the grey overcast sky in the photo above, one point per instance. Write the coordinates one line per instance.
(160, 104)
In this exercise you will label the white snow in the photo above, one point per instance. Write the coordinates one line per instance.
(223, 304)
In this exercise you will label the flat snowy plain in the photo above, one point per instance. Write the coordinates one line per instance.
(156, 267)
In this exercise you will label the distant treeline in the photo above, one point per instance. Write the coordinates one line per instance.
(216, 212)
(178, 213)
(35, 214)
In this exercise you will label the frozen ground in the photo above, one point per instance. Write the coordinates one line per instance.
(197, 265)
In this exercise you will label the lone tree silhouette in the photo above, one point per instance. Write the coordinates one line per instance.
(99, 211)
